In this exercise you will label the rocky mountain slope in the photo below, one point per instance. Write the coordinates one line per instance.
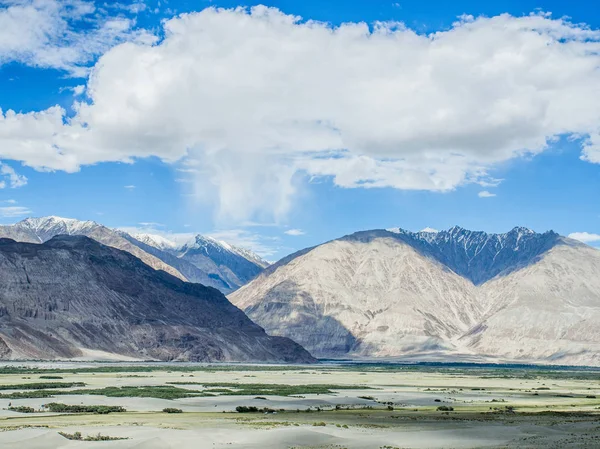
(205, 261)
(72, 296)
(514, 296)
(40, 230)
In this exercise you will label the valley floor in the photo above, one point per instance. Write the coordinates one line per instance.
(322, 406)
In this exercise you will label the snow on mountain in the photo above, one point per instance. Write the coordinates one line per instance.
(231, 267)
(480, 256)
(157, 241)
(47, 227)
(40, 230)
(209, 244)
(520, 295)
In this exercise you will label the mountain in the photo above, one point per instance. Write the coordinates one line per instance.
(156, 241)
(204, 260)
(457, 293)
(40, 230)
(232, 265)
(74, 297)
(479, 256)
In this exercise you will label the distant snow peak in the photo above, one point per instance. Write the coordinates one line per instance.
(156, 241)
(429, 230)
(52, 223)
(209, 245)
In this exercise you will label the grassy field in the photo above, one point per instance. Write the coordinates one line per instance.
(288, 406)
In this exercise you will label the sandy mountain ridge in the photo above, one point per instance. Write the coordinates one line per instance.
(392, 293)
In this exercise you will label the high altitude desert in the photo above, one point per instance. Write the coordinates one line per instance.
(299, 224)
(313, 406)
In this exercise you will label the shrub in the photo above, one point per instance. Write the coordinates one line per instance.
(22, 409)
(319, 424)
(172, 410)
(99, 409)
(445, 408)
(78, 437)
(72, 436)
(245, 409)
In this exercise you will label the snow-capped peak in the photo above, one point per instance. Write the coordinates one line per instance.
(50, 223)
(429, 230)
(208, 244)
(156, 241)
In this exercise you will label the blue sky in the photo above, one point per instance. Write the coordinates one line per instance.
(281, 186)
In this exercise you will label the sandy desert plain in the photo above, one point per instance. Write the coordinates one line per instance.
(319, 406)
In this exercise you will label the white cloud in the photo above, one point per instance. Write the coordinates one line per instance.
(152, 224)
(295, 232)
(130, 187)
(250, 100)
(78, 90)
(14, 211)
(14, 179)
(486, 194)
(60, 34)
(585, 237)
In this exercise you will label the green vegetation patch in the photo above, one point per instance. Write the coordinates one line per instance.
(56, 407)
(234, 389)
(158, 392)
(77, 436)
(42, 385)
(22, 409)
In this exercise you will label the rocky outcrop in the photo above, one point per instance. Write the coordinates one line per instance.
(72, 296)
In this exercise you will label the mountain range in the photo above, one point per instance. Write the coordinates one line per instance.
(519, 296)
(203, 260)
(73, 297)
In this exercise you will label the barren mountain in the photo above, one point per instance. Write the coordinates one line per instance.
(40, 230)
(74, 297)
(203, 260)
(518, 296)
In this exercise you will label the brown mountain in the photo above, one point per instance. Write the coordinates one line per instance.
(74, 297)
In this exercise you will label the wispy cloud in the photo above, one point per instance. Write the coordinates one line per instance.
(14, 211)
(295, 232)
(129, 187)
(151, 224)
(585, 237)
(11, 177)
(61, 34)
(486, 194)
